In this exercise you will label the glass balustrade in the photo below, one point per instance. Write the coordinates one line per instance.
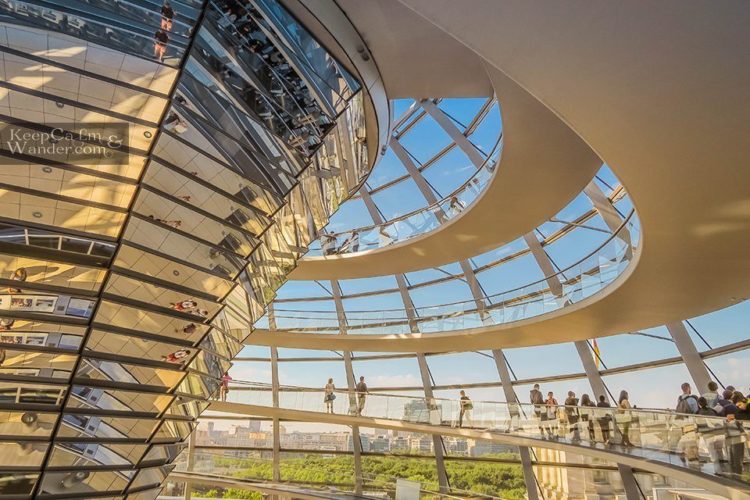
(569, 286)
(711, 445)
(413, 224)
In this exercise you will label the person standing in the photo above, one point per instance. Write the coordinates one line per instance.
(540, 412)
(625, 417)
(587, 415)
(329, 395)
(712, 431)
(551, 414)
(686, 402)
(328, 244)
(735, 437)
(727, 406)
(604, 418)
(572, 415)
(536, 398)
(712, 396)
(466, 407)
(362, 393)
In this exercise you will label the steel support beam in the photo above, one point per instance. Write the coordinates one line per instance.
(412, 169)
(424, 371)
(437, 440)
(351, 385)
(592, 373)
(372, 209)
(632, 491)
(511, 397)
(190, 464)
(690, 356)
(276, 426)
(545, 264)
(454, 133)
(276, 459)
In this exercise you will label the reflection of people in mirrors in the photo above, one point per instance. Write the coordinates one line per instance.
(175, 124)
(188, 329)
(19, 274)
(184, 306)
(161, 39)
(167, 15)
(182, 101)
(173, 223)
(176, 357)
(6, 324)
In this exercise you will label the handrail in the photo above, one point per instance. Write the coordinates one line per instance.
(586, 279)
(293, 388)
(710, 446)
(486, 297)
(489, 165)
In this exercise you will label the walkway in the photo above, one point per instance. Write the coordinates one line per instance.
(661, 440)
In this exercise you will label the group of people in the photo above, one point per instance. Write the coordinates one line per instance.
(329, 243)
(189, 306)
(722, 435)
(723, 431)
(730, 403)
(576, 414)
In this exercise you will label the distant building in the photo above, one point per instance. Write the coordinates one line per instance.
(380, 444)
(399, 444)
(421, 444)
